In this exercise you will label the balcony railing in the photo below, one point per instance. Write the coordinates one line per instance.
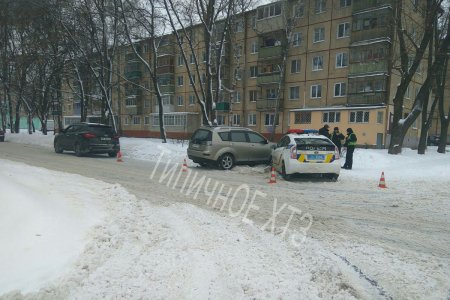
(268, 78)
(130, 75)
(223, 106)
(167, 69)
(167, 89)
(367, 98)
(370, 34)
(371, 67)
(268, 103)
(269, 52)
(359, 5)
(166, 108)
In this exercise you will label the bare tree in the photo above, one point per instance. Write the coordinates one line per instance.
(408, 68)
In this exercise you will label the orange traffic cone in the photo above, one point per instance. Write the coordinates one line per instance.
(382, 183)
(273, 177)
(184, 167)
(119, 157)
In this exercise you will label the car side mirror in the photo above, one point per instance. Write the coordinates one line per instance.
(265, 142)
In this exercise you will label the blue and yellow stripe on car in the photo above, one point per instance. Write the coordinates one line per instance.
(329, 158)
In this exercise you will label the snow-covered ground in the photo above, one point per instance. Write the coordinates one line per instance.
(77, 237)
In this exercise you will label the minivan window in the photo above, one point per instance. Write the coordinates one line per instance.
(225, 136)
(255, 138)
(201, 136)
(238, 136)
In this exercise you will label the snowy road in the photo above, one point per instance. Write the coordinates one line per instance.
(395, 241)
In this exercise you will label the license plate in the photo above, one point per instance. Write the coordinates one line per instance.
(316, 157)
(105, 139)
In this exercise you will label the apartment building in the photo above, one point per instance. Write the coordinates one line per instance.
(334, 66)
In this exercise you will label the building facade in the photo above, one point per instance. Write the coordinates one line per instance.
(311, 62)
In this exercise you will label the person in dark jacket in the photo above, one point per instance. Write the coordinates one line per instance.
(325, 131)
(337, 137)
(350, 143)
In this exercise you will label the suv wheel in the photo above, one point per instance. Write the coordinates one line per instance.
(78, 151)
(58, 148)
(112, 154)
(226, 161)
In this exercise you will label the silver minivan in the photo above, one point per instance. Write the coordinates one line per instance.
(228, 146)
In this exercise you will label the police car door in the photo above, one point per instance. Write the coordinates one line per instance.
(277, 154)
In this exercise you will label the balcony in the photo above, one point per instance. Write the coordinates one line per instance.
(270, 24)
(367, 98)
(167, 69)
(131, 75)
(270, 52)
(133, 110)
(370, 34)
(167, 108)
(223, 106)
(370, 67)
(167, 89)
(359, 5)
(268, 103)
(268, 78)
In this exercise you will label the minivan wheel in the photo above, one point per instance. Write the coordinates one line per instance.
(58, 148)
(77, 149)
(226, 161)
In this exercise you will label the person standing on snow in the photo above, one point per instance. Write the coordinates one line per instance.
(324, 131)
(337, 137)
(350, 143)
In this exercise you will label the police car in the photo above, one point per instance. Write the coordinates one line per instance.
(306, 152)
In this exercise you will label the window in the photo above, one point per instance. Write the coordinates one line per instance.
(316, 91)
(343, 30)
(180, 80)
(408, 93)
(220, 119)
(238, 136)
(302, 117)
(236, 120)
(253, 21)
(299, 10)
(253, 71)
(317, 63)
(125, 120)
(253, 95)
(269, 11)
(331, 117)
(130, 101)
(191, 99)
(237, 99)
(320, 6)
(180, 100)
(204, 56)
(192, 58)
(251, 120)
(255, 138)
(271, 94)
(319, 34)
(294, 93)
(345, 3)
(269, 119)
(193, 80)
(254, 47)
(203, 79)
(136, 120)
(340, 89)
(341, 60)
(380, 116)
(170, 120)
(295, 66)
(239, 26)
(180, 60)
(166, 99)
(146, 103)
(360, 116)
(146, 120)
(296, 39)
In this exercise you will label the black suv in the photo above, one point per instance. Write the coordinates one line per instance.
(86, 138)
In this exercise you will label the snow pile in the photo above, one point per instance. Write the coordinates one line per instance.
(61, 238)
(44, 223)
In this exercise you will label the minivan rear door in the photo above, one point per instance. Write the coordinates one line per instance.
(200, 140)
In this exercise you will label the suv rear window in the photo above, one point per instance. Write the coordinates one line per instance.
(101, 130)
(201, 136)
